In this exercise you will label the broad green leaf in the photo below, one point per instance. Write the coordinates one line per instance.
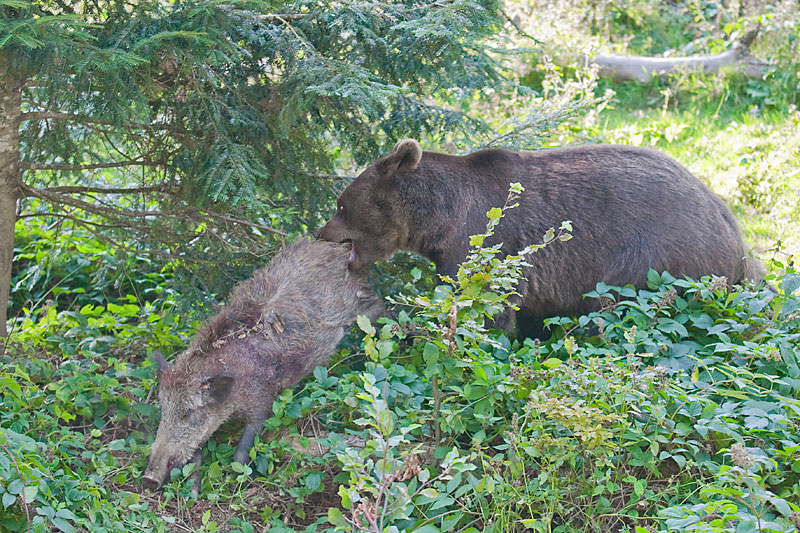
(494, 213)
(365, 325)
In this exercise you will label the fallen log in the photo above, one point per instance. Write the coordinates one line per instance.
(641, 69)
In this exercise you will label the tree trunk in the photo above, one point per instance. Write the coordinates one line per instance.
(10, 178)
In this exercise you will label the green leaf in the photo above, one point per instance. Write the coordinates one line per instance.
(365, 325)
(187, 469)
(476, 240)
(385, 348)
(66, 514)
(15, 487)
(494, 213)
(336, 518)
(442, 502)
(30, 492)
(430, 353)
(427, 528)
(430, 492)
(313, 481)
(639, 487)
(551, 362)
(781, 505)
(346, 501)
(653, 279)
(8, 499)
(321, 373)
(63, 525)
(534, 524)
(790, 283)
(668, 325)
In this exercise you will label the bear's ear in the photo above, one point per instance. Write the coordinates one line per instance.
(405, 156)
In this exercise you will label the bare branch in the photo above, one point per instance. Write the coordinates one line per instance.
(70, 217)
(122, 246)
(56, 115)
(107, 190)
(52, 114)
(278, 17)
(331, 177)
(241, 221)
(95, 229)
(283, 17)
(92, 166)
(59, 198)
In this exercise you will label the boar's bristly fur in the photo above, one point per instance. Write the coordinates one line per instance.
(278, 325)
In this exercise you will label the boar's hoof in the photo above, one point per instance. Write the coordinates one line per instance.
(150, 483)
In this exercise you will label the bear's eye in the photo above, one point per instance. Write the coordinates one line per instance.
(341, 208)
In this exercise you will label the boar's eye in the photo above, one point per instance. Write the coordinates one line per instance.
(341, 208)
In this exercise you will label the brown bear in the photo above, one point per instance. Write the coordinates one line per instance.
(632, 209)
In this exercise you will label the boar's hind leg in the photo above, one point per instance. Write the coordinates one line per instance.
(242, 453)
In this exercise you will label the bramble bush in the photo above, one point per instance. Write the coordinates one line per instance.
(670, 409)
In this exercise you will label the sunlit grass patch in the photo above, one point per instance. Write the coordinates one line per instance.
(751, 160)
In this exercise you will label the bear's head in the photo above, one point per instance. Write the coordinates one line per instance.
(369, 212)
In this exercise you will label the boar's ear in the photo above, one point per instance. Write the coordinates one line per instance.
(161, 364)
(405, 156)
(219, 388)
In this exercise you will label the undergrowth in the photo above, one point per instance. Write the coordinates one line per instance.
(671, 409)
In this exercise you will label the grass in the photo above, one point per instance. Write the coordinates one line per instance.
(747, 154)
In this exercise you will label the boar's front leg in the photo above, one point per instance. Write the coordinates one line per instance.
(197, 459)
(242, 453)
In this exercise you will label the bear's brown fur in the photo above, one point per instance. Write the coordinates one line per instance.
(632, 209)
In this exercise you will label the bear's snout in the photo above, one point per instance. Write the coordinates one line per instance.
(334, 231)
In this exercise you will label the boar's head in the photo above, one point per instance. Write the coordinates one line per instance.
(193, 406)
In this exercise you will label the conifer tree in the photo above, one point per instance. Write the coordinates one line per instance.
(146, 120)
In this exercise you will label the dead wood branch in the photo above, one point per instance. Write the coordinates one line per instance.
(642, 69)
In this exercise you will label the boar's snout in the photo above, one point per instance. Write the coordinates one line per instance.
(150, 483)
(158, 468)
